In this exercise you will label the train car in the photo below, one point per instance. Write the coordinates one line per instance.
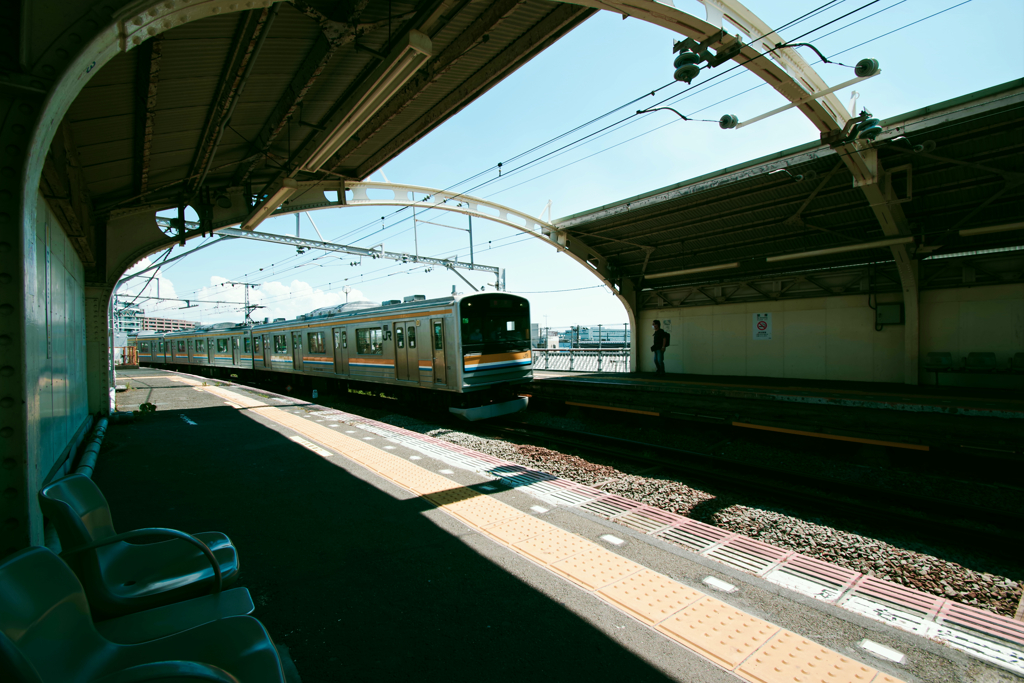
(472, 349)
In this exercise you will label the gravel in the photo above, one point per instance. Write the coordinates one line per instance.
(895, 560)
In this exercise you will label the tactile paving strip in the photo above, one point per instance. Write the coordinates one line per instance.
(518, 529)
(789, 658)
(721, 633)
(597, 568)
(554, 545)
(650, 596)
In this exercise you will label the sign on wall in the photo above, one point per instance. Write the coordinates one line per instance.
(762, 326)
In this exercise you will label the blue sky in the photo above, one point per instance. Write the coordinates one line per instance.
(600, 66)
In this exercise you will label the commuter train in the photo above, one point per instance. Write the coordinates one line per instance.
(470, 349)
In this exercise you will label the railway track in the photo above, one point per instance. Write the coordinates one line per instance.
(924, 516)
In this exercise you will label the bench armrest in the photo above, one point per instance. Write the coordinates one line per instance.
(155, 531)
(170, 670)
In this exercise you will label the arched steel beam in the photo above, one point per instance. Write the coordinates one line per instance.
(784, 69)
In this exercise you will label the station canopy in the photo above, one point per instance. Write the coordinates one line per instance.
(793, 224)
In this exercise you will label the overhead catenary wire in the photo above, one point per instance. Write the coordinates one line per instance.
(678, 96)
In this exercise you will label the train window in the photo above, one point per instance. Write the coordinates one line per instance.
(296, 340)
(181, 346)
(190, 346)
(370, 341)
(222, 345)
(144, 346)
(247, 345)
(200, 344)
(316, 342)
(499, 319)
(256, 344)
(399, 339)
(280, 343)
(438, 337)
(344, 339)
(234, 342)
(160, 346)
(412, 337)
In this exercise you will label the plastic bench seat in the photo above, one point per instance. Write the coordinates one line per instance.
(1017, 363)
(939, 362)
(47, 636)
(121, 577)
(980, 362)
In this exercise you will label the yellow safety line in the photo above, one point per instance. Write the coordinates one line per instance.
(621, 410)
(751, 648)
(820, 435)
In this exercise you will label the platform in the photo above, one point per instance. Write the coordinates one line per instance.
(375, 553)
(919, 418)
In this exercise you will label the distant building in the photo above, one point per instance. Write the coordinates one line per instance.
(165, 324)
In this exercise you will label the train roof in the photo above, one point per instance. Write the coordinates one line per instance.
(344, 311)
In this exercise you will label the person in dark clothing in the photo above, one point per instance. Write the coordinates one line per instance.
(660, 342)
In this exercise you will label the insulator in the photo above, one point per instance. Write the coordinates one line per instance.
(728, 121)
(865, 68)
(686, 73)
(686, 58)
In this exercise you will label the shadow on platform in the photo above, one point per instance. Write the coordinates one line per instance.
(357, 584)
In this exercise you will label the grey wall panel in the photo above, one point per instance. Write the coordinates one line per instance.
(57, 358)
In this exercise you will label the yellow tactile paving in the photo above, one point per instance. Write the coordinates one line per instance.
(788, 658)
(481, 512)
(553, 546)
(596, 567)
(518, 529)
(721, 633)
(650, 596)
(751, 648)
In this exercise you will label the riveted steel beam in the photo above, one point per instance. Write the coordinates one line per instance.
(251, 32)
(147, 80)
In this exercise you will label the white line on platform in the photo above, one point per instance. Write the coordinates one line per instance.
(188, 421)
(538, 509)
(881, 651)
(720, 585)
(614, 540)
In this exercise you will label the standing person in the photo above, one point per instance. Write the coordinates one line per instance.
(660, 343)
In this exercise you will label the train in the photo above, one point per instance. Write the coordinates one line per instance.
(469, 351)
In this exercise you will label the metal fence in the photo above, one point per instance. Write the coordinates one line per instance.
(581, 360)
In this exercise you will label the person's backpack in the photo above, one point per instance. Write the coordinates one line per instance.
(668, 339)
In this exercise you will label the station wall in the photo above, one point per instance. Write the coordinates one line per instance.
(834, 338)
(55, 319)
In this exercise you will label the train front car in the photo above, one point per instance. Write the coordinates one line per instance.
(494, 337)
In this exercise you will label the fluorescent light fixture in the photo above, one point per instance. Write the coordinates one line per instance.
(992, 228)
(842, 249)
(387, 79)
(289, 186)
(702, 269)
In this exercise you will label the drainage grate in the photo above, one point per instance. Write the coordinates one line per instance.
(694, 535)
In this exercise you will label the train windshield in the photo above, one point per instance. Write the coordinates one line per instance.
(495, 321)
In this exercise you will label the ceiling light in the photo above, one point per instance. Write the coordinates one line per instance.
(405, 60)
(840, 250)
(702, 269)
(289, 186)
(992, 228)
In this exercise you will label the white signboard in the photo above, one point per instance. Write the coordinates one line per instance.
(762, 326)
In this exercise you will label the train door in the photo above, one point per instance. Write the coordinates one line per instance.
(236, 352)
(267, 351)
(438, 351)
(340, 350)
(404, 357)
(297, 350)
(211, 350)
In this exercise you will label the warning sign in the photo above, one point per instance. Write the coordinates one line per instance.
(762, 326)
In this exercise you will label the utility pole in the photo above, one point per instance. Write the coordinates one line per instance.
(248, 308)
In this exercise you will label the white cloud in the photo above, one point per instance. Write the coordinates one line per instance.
(280, 300)
(142, 285)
